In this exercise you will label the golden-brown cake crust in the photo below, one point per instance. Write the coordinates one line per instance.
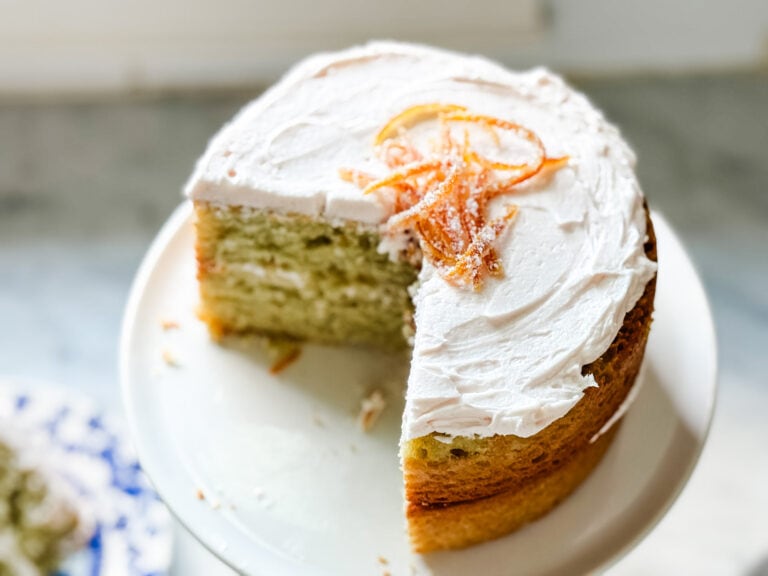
(471, 488)
(467, 523)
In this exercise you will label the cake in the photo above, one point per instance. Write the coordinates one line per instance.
(399, 196)
(39, 521)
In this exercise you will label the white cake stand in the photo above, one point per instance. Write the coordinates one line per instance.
(273, 474)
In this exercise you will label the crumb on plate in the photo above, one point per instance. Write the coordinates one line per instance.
(371, 408)
(168, 324)
(284, 353)
(170, 359)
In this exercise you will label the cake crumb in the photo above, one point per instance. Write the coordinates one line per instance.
(383, 561)
(168, 324)
(199, 494)
(370, 409)
(285, 354)
(169, 358)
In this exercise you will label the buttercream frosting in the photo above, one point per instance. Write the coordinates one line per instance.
(506, 359)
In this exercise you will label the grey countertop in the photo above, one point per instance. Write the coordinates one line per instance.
(84, 186)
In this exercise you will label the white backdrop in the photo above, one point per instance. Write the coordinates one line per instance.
(86, 45)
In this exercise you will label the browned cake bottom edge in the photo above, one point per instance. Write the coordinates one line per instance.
(467, 523)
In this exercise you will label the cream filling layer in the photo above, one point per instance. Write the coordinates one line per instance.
(506, 359)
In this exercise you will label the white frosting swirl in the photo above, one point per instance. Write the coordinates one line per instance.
(508, 358)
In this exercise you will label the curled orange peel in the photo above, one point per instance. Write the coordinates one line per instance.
(491, 122)
(407, 171)
(413, 115)
(357, 177)
(443, 194)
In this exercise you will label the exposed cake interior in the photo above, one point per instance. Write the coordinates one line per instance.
(291, 276)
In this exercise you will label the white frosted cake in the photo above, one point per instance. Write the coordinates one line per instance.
(398, 195)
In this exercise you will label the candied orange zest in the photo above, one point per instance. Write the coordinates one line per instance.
(490, 122)
(398, 153)
(407, 171)
(357, 177)
(430, 200)
(443, 194)
(493, 133)
(506, 186)
(414, 115)
(553, 163)
(480, 253)
(434, 254)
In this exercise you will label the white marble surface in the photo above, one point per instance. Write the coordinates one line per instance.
(84, 187)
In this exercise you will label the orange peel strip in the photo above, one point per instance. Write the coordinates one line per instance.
(404, 173)
(414, 115)
(466, 268)
(357, 177)
(492, 121)
(552, 163)
(506, 186)
(433, 253)
(493, 133)
(415, 212)
(397, 154)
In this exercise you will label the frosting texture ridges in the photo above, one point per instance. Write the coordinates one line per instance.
(506, 359)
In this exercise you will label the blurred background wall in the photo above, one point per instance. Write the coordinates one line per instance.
(85, 182)
(117, 45)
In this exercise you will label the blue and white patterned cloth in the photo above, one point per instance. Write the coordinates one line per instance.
(90, 451)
